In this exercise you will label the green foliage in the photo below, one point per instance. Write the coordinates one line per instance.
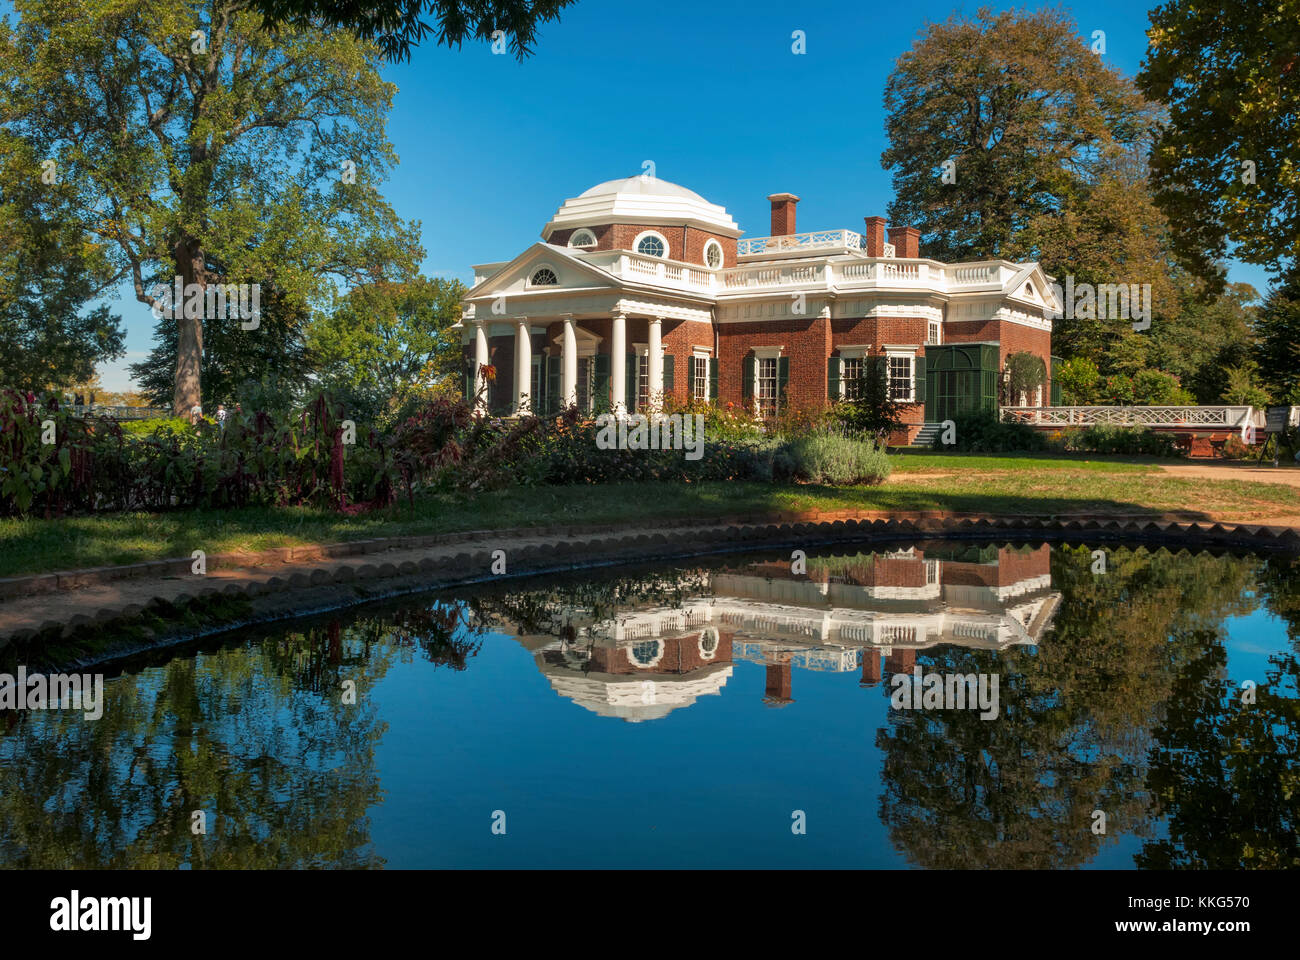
(831, 458)
(1112, 438)
(1145, 388)
(1279, 339)
(1226, 74)
(1028, 114)
(387, 344)
(225, 164)
(49, 338)
(1027, 371)
(984, 432)
(1243, 387)
(872, 413)
(397, 25)
(1080, 381)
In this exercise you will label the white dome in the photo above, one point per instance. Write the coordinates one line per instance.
(641, 200)
(643, 185)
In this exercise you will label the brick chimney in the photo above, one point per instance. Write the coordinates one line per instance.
(783, 213)
(906, 241)
(875, 236)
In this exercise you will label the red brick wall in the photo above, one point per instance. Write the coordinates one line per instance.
(1017, 565)
(680, 338)
(680, 655)
(806, 343)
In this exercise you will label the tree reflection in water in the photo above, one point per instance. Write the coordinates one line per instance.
(1124, 704)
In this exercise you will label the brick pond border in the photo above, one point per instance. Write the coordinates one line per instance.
(299, 581)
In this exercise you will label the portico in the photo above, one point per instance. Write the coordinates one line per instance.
(641, 290)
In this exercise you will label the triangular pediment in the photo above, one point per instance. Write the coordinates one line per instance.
(541, 261)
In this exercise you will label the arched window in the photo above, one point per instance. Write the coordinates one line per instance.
(651, 244)
(709, 643)
(713, 254)
(582, 238)
(545, 277)
(646, 653)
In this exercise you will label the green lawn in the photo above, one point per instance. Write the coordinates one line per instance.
(991, 485)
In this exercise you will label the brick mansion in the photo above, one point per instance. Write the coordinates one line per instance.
(641, 289)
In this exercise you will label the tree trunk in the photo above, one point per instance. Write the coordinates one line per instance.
(191, 267)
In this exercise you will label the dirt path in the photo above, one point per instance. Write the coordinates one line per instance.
(1235, 471)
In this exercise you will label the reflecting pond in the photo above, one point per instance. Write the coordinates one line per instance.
(733, 711)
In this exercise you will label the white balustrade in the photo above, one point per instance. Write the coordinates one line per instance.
(1227, 417)
(817, 240)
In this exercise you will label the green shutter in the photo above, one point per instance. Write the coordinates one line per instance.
(920, 379)
(713, 380)
(600, 390)
(747, 378)
(668, 376)
(834, 371)
(630, 384)
(782, 377)
(552, 384)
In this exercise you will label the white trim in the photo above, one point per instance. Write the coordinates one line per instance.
(579, 232)
(631, 658)
(636, 244)
(910, 353)
(853, 352)
(712, 633)
(767, 353)
(722, 255)
(537, 268)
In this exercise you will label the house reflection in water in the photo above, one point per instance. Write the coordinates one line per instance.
(847, 613)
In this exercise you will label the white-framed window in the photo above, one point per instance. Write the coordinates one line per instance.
(851, 376)
(902, 377)
(713, 256)
(651, 244)
(582, 238)
(544, 277)
(586, 382)
(765, 375)
(642, 377)
(646, 653)
(934, 333)
(709, 643)
(700, 377)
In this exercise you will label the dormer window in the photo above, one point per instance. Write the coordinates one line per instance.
(582, 238)
(713, 255)
(545, 277)
(651, 244)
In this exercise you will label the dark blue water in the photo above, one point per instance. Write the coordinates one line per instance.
(726, 712)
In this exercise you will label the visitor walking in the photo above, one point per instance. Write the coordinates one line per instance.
(221, 416)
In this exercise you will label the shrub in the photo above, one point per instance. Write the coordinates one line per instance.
(1111, 438)
(983, 432)
(832, 458)
(1235, 449)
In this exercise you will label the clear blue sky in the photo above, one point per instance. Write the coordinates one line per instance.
(710, 92)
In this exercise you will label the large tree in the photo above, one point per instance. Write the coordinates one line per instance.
(198, 142)
(50, 333)
(386, 342)
(1026, 115)
(1226, 164)
(398, 25)
(1278, 328)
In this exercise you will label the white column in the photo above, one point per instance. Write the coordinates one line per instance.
(523, 368)
(655, 348)
(569, 379)
(480, 361)
(618, 364)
